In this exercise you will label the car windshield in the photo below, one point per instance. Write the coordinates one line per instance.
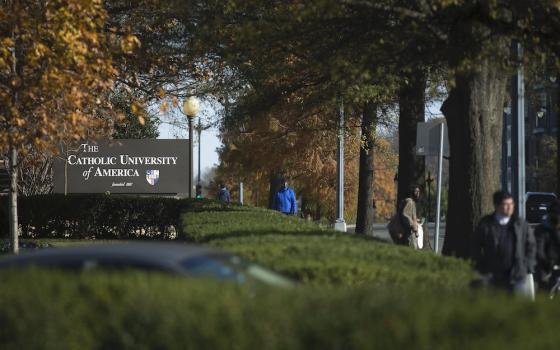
(268, 277)
(206, 266)
(233, 268)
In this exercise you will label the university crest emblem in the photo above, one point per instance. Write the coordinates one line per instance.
(152, 176)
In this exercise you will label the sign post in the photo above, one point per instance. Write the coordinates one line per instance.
(432, 141)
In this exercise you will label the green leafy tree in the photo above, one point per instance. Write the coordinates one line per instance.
(139, 124)
(321, 48)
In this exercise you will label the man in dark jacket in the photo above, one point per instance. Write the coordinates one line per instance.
(285, 200)
(504, 248)
(548, 245)
(223, 194)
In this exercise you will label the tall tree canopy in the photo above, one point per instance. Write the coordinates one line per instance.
(55, 69)
(362, 47)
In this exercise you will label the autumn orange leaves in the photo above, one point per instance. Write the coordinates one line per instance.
(56, 71)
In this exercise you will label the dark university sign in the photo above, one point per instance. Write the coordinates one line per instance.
(123, 166)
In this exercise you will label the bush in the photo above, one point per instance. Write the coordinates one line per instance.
(96, 216)
(294, 247)
(136, 311)
(315, 255)
(399, 298)
(208, 220)
(336, 259)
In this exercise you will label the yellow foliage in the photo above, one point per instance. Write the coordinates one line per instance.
(305, 150)
(129, 43)
(385, 191)
(55, 66)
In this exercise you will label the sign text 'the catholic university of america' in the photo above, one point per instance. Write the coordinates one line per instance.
(123, 166)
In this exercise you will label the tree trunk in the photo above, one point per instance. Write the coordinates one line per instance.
(558, 136)
(13, 220)
(17, 69)
(275, 181)
(474, 113)
(412, 103)
(365, 214)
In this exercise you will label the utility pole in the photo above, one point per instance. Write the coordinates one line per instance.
(518, 133)
(507, 151)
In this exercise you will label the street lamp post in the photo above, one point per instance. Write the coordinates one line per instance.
(340, 224)
(199, 130)
(190, 108)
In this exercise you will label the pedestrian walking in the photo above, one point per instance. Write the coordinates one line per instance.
(199, 192)
(547, 235)
(504, 248)
(404, 227)
(223, 194)
(285, 200)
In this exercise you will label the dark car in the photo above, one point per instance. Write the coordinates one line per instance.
(178, 259)
(536, 205)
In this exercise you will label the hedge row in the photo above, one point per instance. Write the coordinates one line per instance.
(204, 221)
(314, 255)
(95, 216)
(138, 311)
(398, 298)
(297, 248)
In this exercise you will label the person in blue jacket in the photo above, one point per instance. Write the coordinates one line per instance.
(285, 200)
(223, 194)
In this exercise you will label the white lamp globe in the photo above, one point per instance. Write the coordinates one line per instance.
(191, 106)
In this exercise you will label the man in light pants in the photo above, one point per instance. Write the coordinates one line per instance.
(415, 234)
(504, 248)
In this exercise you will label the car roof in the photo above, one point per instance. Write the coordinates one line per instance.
(552, 194)
(158, 253)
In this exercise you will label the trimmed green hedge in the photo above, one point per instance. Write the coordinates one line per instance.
(337, 259)
(398, 298)
(205, 221)
(147, 311)
(311, 254)
(96, 216)
(297, 248)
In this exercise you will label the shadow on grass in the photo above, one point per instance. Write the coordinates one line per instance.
(266, 232)
(208, 205)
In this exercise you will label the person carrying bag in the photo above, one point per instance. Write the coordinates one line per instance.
(403, 226)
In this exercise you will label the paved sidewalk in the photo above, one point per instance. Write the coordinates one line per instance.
(380, 231)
